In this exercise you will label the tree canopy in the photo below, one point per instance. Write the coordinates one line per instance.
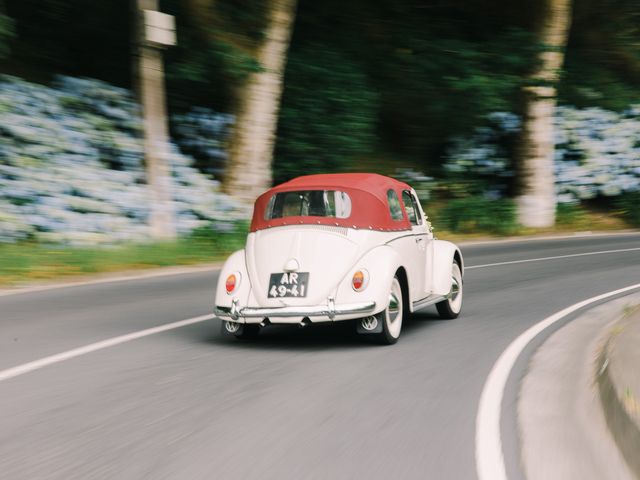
(365, 79)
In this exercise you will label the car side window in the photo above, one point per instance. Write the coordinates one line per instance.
(416, 203)
(410, 207)
(394, 205)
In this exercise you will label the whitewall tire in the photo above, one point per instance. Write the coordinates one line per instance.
(391, 317)
(452, 306)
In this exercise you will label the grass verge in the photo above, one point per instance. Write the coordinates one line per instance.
(32, 262)
(569, 219)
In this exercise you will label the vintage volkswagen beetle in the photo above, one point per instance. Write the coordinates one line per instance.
(335, 247)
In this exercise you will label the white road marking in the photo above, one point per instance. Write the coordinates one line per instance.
(542, 259)
(489, 455)
(76, 352)
(122, 277)
(536, 238)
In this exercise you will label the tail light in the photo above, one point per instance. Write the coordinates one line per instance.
(232, 282)
(360, 280)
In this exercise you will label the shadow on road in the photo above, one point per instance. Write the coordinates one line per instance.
(325, 336)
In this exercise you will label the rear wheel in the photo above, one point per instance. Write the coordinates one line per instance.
(391, 317)
(451, 307)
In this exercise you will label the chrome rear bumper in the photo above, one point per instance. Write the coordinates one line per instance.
(330, 310)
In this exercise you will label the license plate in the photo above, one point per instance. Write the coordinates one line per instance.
(288, 284)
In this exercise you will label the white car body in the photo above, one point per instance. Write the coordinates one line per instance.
(332, 255)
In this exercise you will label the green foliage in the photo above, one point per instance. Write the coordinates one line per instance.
(602, 66)
(215, 51)
(242, 17)
(402, 77)
(587, 217)
(478, 214)
(215, 233)
(437, 69)
(6, 31)
(33, 261)
(629, 205)
(479, 164)
(446, 86)
(72, 37)
(570, 214)
(205, 76)
(587, 84)
(328, 113)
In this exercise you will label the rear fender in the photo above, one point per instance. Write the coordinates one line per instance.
(235, 264)
(444, 254)
(381, 264)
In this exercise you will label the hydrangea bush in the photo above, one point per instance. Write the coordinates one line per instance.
(203, 134)
(479, 165)
(71, 167)
(597, 153)
(421, 183)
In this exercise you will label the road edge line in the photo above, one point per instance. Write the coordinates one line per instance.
(488, 444)
(556, 257)
(535, 238)
(120, 277)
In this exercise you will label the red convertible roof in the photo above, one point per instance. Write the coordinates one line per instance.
(369, 204)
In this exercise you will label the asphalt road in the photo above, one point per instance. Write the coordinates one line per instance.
(317, 403)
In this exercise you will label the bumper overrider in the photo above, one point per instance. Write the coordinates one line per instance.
(330, 310)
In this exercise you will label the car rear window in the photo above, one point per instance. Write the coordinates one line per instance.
(309, 203)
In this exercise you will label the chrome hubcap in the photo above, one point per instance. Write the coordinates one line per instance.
(455, 297)
(455, 287)
(393, 313)
(394, 307)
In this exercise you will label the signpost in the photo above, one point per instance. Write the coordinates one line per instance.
(155, 31)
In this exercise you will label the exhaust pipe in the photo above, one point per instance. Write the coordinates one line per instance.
(265, 322)
(305, 321)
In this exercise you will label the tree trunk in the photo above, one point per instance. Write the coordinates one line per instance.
(249, 170)
(536, 190)
(150, 87)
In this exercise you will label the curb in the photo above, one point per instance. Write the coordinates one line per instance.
(624, 429)
(561, 426)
